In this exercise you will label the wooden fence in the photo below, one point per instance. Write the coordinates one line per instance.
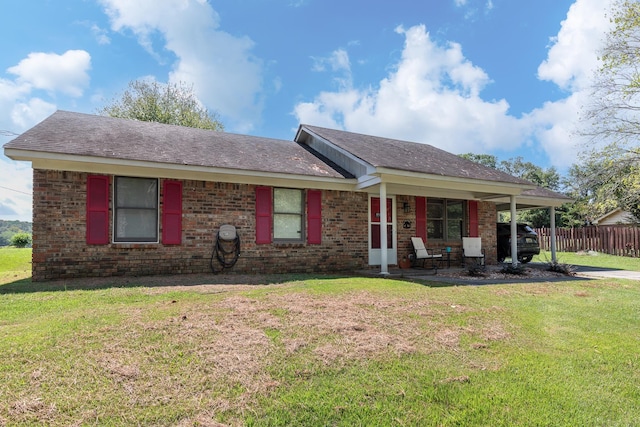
(621, 240)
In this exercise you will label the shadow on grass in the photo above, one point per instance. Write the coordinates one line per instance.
(28, 286)
(208, 279)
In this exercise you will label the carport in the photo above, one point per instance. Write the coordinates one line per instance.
(536, 198)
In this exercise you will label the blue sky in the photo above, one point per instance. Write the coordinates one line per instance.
(501, 77)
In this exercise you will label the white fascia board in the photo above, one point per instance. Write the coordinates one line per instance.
(532, 202)
(111, 166)
(453, 183)
(368, 181)
(370, 169)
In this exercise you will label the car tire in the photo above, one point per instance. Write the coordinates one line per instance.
(525, 259)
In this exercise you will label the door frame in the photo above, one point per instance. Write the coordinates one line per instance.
(392, 252)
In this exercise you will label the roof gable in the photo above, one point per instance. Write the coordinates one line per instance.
(380, 152)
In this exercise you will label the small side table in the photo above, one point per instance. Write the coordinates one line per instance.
(447, 256)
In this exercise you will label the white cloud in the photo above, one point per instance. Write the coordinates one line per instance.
(433, 95)
(66, 73)
(15, 190)
(570, 63)
(226, 76)
(100, 34)
(337, 61)
(20, 109)
(573, 57)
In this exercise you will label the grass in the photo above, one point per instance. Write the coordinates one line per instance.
(15, 264)
(321, 351)
(592, 260)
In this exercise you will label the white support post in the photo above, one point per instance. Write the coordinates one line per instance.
(552, 213)
(384, 263)
(514, 233)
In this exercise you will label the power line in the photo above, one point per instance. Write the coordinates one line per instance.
(17, 191)
(8, 133)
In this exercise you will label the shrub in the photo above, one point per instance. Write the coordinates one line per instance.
(518, 270)
(21, 240)
(476, 270)
(557, 267)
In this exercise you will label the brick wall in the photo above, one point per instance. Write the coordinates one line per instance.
(487, 219)
(60, 249)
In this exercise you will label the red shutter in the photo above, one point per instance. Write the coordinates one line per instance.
(421, 218)
(263, 215)
(314, 217)
(171, 212)
(473, 218)
(97, 210)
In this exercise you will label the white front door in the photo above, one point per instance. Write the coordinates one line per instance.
(375, 225)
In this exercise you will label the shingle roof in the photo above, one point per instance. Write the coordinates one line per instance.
(544, 192)
(411, 156)
(77, 134)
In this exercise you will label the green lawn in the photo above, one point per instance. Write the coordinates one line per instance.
(15, 264)
(592, 260)
(321, 351)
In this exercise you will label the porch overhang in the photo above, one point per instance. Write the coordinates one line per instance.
(420, 184)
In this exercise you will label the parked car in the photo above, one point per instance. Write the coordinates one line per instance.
(528, 245)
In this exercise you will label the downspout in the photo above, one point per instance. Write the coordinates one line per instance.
(384, 263)
(552, 213)
(514, 233)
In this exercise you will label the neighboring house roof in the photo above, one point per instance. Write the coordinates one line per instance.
(616, 216)
(317, 158)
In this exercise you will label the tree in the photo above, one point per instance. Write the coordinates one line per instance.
(487, 160)
(21, 240)
(611, 122)
(172, 103)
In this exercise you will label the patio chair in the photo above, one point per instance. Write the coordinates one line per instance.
(472, 249)
(421, 253)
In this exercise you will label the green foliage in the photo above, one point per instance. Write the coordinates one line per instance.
(518, 269)
(546, 178)
(173, 104)
(488, 160)
(610, 123)
(9, 228)
(21, 240)
(559, 267)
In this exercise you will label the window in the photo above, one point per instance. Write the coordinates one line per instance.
(282, 210)
(135, 209)
(445, 219)
(288, 212)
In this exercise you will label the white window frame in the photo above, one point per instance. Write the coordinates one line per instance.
(300, 214)
(116, 208)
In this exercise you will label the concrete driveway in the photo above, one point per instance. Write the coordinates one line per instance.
(604, 273)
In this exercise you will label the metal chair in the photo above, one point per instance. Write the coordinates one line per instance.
(472, 248)
(421, 253)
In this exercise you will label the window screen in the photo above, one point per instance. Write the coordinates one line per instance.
(287, 214)
(136, 210)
